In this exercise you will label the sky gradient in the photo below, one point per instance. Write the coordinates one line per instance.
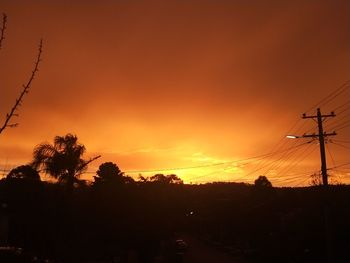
(161, 84)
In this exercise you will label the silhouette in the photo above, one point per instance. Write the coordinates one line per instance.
(316, 179)
(109, 173)
(3, 29)
(165, 179)
(118, 220)
(262, 182)
(62, 160)
(24, 172)
(26, 87)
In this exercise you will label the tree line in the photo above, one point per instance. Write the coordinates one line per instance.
(119, 219)
(63, 161)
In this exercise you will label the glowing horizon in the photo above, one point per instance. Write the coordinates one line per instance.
(156, 85)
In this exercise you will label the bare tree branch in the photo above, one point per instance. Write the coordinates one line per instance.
(19, 100)
(3, 28)
(81, 167)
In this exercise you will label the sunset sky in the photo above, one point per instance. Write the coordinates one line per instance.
(154, 85)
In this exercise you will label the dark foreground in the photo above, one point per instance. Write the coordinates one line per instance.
(140, 222)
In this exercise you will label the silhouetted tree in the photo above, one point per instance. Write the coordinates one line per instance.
(25, 172)
(62, 160)
(316, 179)
(109, 172)
(166, 179)
(143, 179)
(174, 179)
(262, 182)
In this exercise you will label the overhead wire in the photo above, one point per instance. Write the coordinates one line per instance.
(323, 102)
(343, 127)
(339, 126)
(223, 170)
(334, 121)
(284, 158)
(260, 168)
(330, 154)
(289, 157)
(341, 141)
(339, 165)
(344, 146)
(277, 146)
(329, 122)
(264, 160)
(341, 106)
(300, 183)
(280, 147)
(290, 181)
(331, 96)
(298, 159)
(209, 165)
(271, 162)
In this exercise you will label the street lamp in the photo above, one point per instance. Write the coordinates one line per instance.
(292, 136)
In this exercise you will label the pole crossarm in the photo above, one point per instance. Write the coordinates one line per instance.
(317, 135)
(316, 116)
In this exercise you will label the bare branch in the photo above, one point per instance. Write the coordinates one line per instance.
(13, 125)
(87, 162)
(3, 29)
(25, 90)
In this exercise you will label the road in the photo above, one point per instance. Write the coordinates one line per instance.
(201, 252)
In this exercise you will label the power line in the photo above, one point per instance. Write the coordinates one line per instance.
(340, 165)
(300, 183)
(336, 126)
(342, 105)
(279, 148)
(261, 164)
(335, 121)
(343, 127)
(271, 163)
(346, 147)
(341, 141)
(324, 101)
(330, 154)
(331, 96)
(299, 158)
(285, 159)
(210, 165)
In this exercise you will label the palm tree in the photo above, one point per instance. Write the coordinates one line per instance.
(62, 160)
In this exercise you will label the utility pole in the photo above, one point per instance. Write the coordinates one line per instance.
(321, 136)
(326, 209)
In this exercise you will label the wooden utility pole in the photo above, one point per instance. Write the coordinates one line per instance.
(321, 135)
(326, 209)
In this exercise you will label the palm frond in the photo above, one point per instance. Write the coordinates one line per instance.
(41, 154)
(62, 160)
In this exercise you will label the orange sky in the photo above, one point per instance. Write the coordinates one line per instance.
(164, 84)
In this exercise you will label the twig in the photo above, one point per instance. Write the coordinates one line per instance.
(25, 90)
(3, 28)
